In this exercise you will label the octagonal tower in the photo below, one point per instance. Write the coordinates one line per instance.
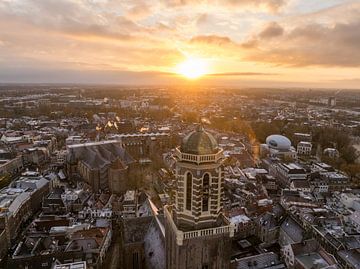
(197, 233)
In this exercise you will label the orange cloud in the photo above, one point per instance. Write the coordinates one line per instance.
(305, 45)
(212, 39)
(236, 36)
(270, 5)
(272, 30)
(139, 11)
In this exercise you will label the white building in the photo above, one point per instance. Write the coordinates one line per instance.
(303, 137)
(288, 172)
(331, 152)
(103, 213)
(278, 146)
(304, 148)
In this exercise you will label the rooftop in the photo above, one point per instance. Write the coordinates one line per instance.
(199, 142)
(309, 260)
(264, 260)
(99, 154)
(352, 257)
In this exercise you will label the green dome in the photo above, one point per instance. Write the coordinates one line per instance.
(199, 142)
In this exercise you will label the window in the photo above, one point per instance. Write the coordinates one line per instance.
(205, 195)
(273, 143)
(135, 257)
(188, 190)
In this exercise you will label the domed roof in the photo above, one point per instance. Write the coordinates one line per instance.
(199, 142)
(279, 142)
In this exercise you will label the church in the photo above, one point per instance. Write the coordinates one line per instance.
(193, 232)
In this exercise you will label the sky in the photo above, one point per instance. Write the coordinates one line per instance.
(255, 43)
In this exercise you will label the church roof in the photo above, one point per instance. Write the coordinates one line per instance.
(199, 142)
(98, 155)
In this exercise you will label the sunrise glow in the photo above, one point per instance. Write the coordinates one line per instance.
(193, 68)
(248, 43)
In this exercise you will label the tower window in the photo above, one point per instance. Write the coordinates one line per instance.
(135, 257)
(206, 189)
(188, 190)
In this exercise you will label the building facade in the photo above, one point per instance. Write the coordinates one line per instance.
(304, 148)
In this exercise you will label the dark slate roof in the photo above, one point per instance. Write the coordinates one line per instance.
(351, 257)
(97, 155)
(307, 246)
(154, 248)
(292, 229)
(264, 260)
(199, 142)
(352, 242)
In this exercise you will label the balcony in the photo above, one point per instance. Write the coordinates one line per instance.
(199, 159)
(181, 235)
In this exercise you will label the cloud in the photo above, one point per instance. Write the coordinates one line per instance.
(145, 35)
(202, 19)
(79, 18)
(313, 44)
(268, 5)
(236, 74)
(139, 11)
(212, 40)
(56, 75)
(273, 29)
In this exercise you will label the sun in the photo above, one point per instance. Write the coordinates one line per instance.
(192, 68)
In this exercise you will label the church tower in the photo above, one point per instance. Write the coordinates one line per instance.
(198, 235)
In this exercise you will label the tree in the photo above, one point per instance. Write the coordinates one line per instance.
(190, 117)
(349, 154)
(5, 180)
(353, 170)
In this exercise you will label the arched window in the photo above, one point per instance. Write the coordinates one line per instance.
(188, 190)
(205, 195)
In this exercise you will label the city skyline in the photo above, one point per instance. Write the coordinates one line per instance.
(260, 43)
